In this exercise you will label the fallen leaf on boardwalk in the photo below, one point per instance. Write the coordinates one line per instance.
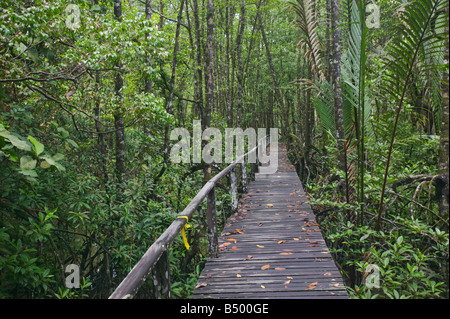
(263, 286)
(260, 224)
(249, 256)
(234, 248)
(231, 239)
(265, 267)
(260, 246)
(313, 242)
(295, 238)
(287, 282)
(327, 274)
(282, 241)
(336, 285)
(289, 277)
(312, 286)
(203, 284)
(286, 253)
(280, 268)
(270, 205)
(239, 276)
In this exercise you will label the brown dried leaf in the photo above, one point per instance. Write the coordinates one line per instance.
(199, 285)
(312, 286)
(280, 268)
(265, 267)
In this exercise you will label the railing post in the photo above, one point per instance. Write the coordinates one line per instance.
(161, 277)
(244, 175)
(211, 216)
(234, 197)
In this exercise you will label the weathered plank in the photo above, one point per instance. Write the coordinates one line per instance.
(272, 246)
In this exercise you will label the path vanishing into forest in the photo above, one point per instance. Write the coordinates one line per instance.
(272, 246)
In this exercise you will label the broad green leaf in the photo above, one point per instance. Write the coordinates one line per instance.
(45, 164)
(38, 148)
(28, 172)
(17, 142)
(27, 163)
(63, 131)
(51, 161)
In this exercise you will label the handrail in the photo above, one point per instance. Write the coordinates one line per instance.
(136, 277)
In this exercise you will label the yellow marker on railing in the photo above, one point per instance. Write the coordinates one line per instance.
(184, 233)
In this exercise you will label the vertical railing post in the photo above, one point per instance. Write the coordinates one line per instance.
(211, 216)
(234, 197)
(244, 175)
(161, 277)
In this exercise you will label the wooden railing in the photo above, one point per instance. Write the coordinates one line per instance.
(156, 259)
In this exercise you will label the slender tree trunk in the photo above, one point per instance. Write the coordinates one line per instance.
(270, 61)
(239, 75)
(169, 107)
(148, 16)
(118, 115)
(240, 81)
(336, 79)
(209, 66)
(443, 165)
(209, 70)
(198, 60)
(229, 111)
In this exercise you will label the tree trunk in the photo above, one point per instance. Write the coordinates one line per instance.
(336, 79)
(148, 16)
(118, 116)
(271, 66)
(443, 165)
(240, 83)
(209, 69)
(198, 61)
(169, 107)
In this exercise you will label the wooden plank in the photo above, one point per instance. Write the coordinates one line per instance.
(272, 246)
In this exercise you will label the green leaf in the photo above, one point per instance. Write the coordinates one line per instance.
(45, 164)
(38, 147)
(14, 140)
(51, 161)
(27, 163)
(63, 131)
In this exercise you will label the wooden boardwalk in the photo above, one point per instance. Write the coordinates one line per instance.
(272, 247)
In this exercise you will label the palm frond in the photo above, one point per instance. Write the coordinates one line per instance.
(418, 19)
(306, 21)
